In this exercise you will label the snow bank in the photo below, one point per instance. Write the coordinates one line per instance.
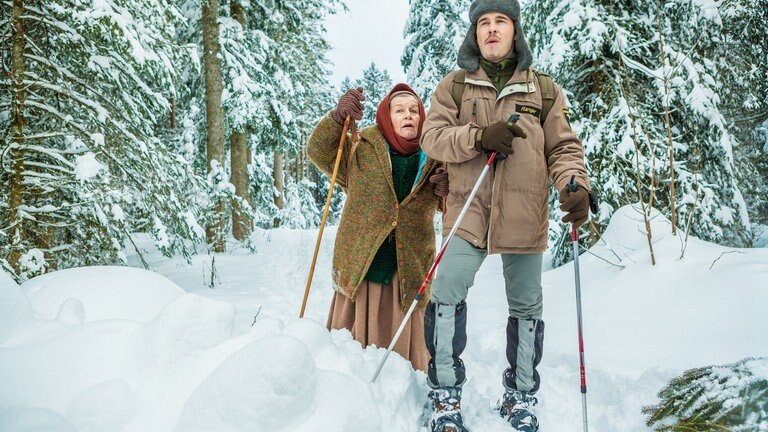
(15, 308)
(119, 349)
(151, 357)
(101, 293)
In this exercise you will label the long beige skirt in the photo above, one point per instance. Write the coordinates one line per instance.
(374, 317)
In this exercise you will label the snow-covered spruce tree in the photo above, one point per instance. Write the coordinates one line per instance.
(228, 189)
(760, 162)
(86, 168)
(301, 210)
(434, 31)
(623, 80)
(376, 83)
(745, 79)
(273, 57)
(298, 64)
(731, 397)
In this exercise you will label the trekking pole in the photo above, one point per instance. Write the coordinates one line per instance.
(572, 187)
(325, 213)
(431, 272)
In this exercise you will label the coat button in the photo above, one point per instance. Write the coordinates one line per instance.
(394, 224)
(397, 206)
(399, 245)
(402, 263)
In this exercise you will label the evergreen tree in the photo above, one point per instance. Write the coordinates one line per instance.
(345, 85)
(376, 84)
(297, 63)
(731, 397)
(644, 88)
(744, 48)
(434, 31)
(301, 210)
(274, 63)
(88, 168)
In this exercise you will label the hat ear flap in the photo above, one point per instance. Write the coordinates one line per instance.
(469, 52)
(524, 56)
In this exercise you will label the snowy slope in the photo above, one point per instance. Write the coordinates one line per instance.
(122, 349)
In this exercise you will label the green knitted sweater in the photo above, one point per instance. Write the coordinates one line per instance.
(404, 171)
(500, 72)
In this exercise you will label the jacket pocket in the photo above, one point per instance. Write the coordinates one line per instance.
(521, 221)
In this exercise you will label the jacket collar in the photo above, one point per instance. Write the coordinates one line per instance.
(522, 81)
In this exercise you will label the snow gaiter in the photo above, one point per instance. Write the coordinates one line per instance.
(445, 333)
(525, 341)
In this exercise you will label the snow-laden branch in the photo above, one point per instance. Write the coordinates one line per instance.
(52, 153)
(636, 65)
(101, 113)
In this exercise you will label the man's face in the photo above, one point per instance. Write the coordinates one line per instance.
(495, 36)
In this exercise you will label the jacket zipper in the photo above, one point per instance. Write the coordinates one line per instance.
(493, 192)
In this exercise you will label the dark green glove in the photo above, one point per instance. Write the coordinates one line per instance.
(498, 137)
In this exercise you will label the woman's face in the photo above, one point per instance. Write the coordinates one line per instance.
(404, 113)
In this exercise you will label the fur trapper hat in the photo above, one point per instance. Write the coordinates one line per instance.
(469, 52)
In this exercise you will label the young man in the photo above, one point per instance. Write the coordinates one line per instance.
(509, 214)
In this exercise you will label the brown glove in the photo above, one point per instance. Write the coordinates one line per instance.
(439, 182)
(350, 104)
(498, 137)
(576, 204)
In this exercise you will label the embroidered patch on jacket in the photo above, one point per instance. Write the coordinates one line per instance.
(525, 109)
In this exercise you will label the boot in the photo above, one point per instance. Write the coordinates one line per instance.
(514, 407)
(446, 410)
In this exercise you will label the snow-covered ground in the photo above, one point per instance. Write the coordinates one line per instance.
(122, 349)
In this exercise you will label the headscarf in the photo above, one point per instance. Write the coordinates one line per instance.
(383, 120)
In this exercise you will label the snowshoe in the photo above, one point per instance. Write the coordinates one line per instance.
(514, 407)
(446, 411)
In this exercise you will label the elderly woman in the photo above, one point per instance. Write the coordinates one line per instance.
(385, 242)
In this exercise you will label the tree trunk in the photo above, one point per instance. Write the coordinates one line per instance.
(214, 116)
(667, 123)
(172, 102)
(278, 175)
(17, 235)
(242, 225)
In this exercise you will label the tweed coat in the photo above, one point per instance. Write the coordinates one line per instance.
(371, 210)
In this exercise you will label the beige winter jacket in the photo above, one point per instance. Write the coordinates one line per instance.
(509, 214)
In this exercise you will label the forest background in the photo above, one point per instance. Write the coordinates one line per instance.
(188, 121)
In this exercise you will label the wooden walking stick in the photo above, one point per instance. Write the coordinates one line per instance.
(347, 121)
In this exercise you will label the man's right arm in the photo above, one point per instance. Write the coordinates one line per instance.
(443, 138)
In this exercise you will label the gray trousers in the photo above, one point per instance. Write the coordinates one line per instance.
(446, 316)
